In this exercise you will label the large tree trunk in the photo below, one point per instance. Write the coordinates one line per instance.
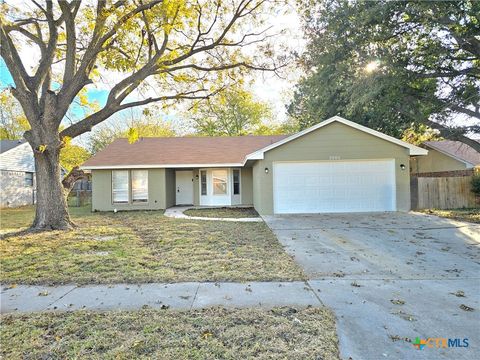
(51, 210)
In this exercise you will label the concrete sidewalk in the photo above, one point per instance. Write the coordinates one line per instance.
(193, 295)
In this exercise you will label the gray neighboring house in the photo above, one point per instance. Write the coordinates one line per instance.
(17, 173)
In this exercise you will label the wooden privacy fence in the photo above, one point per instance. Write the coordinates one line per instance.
(447, 191)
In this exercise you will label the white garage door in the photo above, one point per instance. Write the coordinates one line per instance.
(340, 186)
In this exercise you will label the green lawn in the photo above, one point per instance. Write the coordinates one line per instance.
(140, 246)
(14, 219)
(469, 215)
(215, 333)
(223, 212)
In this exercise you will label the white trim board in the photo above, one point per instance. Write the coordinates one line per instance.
(162, 166)
(414, 150)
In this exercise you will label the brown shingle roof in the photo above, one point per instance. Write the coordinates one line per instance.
(180, 151)
(457, 150)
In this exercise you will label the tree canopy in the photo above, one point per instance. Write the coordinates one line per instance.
(388, 64)
(141, 51)
(234, 112)
(72, 156)
(13, 122)
(147, 125)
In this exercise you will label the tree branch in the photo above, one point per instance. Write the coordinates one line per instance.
(48, 55)
(452, 134)
(89, 122)
(463, 110)
(71, 38)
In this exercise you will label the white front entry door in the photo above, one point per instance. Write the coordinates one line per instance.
(184, 187)
(334, 186)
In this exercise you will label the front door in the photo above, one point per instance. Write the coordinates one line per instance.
(184, 187)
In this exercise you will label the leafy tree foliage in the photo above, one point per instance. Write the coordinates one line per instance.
(476, 184)
(234, 112)
(13, 122)
(72, 156)
(386, 64)
(147, 51)
(145, 126)
(419, 133)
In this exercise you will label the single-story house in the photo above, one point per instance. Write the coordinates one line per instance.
(17, 173)
(445, 155)
(334, 166)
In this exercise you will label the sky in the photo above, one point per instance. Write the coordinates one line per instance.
(267, 87)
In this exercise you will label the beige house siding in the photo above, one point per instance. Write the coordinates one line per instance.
(170, 189)
(246, 183)
(102, 191)
(161, 190)
(435, 161)
(334, 140)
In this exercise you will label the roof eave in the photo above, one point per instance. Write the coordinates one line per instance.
(158, 166)
(416, 152)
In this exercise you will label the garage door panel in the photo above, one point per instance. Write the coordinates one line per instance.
(347, 186)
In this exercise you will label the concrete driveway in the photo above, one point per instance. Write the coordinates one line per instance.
(391, 277)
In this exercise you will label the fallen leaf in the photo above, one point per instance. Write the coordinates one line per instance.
(206, 334)
(459, 293)
(466, 308)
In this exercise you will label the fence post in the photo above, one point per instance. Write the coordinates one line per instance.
(413, 192)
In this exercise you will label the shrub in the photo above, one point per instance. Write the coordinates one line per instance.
(476, 184)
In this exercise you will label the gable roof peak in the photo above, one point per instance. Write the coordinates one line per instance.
(414, 150)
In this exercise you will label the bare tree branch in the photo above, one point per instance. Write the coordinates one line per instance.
(89, 122)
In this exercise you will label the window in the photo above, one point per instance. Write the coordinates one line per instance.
(120, 186)
(203, 180)
(139, 186)
(219, 178)
(236, 182)
(28, 179)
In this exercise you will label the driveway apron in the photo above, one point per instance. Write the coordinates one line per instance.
(392, 278)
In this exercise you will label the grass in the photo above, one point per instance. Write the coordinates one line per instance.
(214, 333)
(140, 246)
(469, 215)
(16, 219)
(224, 212)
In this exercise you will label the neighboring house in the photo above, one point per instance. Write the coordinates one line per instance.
(445, 155)
(334, 166)
(17, 173)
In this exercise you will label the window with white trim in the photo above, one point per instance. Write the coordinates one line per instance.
(120, 186)
(236, 182)
(139, 186)
(203, 181)
(219, 179)
(29, 179)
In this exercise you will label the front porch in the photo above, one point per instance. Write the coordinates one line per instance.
(213, 187)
